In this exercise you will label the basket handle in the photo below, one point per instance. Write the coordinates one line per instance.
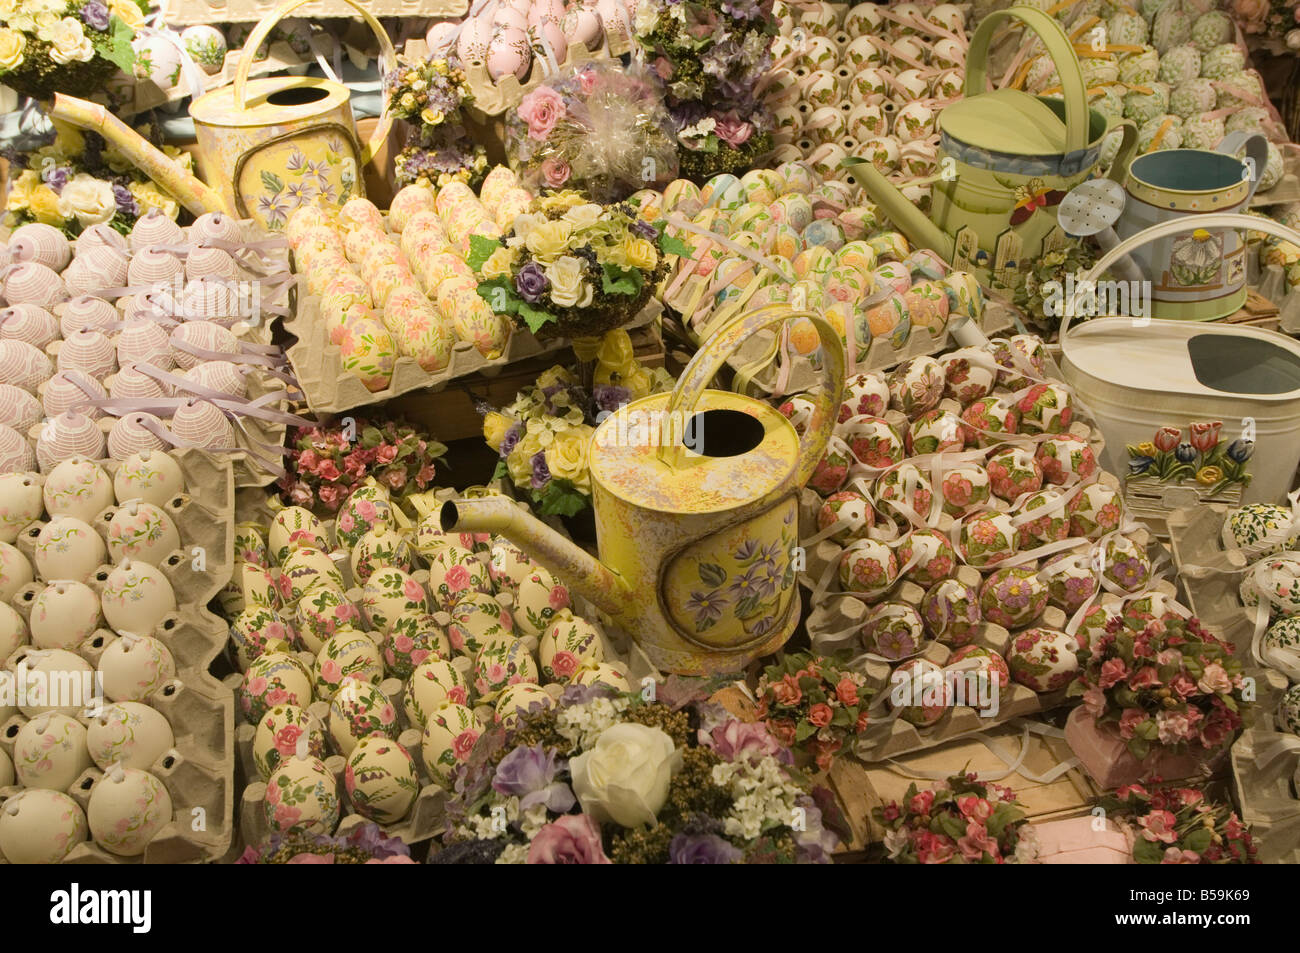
(1059, 49)
(387, 63)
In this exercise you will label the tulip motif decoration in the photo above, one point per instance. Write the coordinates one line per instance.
(1196, 454)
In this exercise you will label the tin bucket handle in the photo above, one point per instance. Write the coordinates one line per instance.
(1062, 55)
(1178, 226)
(699, 373)
(387, 63)
(1256, 147)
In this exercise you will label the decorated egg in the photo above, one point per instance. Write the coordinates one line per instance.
(906, 490)
(256, 630)
(476, 620)
(77, 487)
(134, 667)
(850, 511)
(1013, 597)
(434, 684)
(367, 508)
(1288, 716)
(382, 546)
(281, 732)
(127, 808)
(991, 675)
(1043, 659)
(128, 733)
(449, 737)
(391, 596)
(964, 487)
(833, 468)
(519, 701)
(135, 597)
(868, 567)
(508, 566)
(273, 678)
(1045, 408)
(67, 548)
(1071, 580)
(56, 681)
(987, 539)
(348, 654)
(39, 826)
(935, 431)
(1258, 527)
(951, 612)
(502, 662)
(64, 614)
(1013, 472)
(1066, 460)
(1096, 510)
(969, 374)
(15, 571)
(1125, 564)
(301, 798)
(916, 386)
(602, 674)
(930, 554)
(310, 570)
(541, 597)
(872, 441)
(454, 572)
(987, 418)
(919, 692)
(380, 780)
(406, 647)
(359, 710)
(21, 503)
(567, 645)
(321, 614)
(894, 630)
(292, 528)
(50, 752)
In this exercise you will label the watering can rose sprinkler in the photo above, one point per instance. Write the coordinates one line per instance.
(696, 537)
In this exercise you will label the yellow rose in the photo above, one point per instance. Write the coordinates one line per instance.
(562, 201)
(44, 206)
(1148, 448)
(1208, 476)
(68, 140)
(553, 376)
(499, 264)
(89, 199)
(495, 428)
(127, 12)
(615, 356)
(568, 290)
(637, 253)
(23, 22)
(582, 216)
(432, 116)
(12, 45)
(520, 467)
(55, 8)
(20, 196)
(150, 196)
(549, 240)
(7, 8)
(45, 24)
(566, 457)
(69, 43)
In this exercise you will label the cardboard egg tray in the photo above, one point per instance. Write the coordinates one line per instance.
(1269, 796)
(330, 388)
(199, 770)
(183, 13)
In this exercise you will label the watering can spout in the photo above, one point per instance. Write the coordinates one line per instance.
(605, 589)
(909, 219)
(168, 173)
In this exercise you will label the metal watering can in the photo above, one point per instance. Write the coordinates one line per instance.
(695, 495)
(1006, 159)
(268, 145)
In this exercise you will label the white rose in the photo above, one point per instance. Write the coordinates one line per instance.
(89, 199)
(7, 8)
(624, 778)
(46, 24)
(55, 7)
(582, 216)
(647, 15)
(568, 290)
(69, 43)
(12, 44)
(525, 222)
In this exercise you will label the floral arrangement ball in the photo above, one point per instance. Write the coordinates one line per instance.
(872, 441)
(919, 692)
(1045, 408)
(990, 672)
(1071, 580)
(273, 678)
(987, 539)
(916, 386)
(1066, 460)
(302, 798)
(833, 468)
(951, 610)
(380, 780)
(1043, 659)
(1125, 564)
(281, 732)
(894, 630)
(1051, 526)
(1013, 597)
(931, 556)
(935, 431)
(969, 374)
(868, 567)
(1097, 510)
(1013, 472)
(986, 419)
(864, 394)
(963, 488)
(851, 511)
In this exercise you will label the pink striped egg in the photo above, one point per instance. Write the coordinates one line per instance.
(145, 342)
(23, 365)
(68, 435)
(135, 433)
(198, 423)
(100, 236)
(30, 282)
(152, 266)
(156, 303)
(109, 265)
(220, 376)
(27, 322)
(16, 454)
(19, 409)
(202, 336)
(87, 311)
(40, 243)
(220, 227)
(88, 351)
(72, 390)
(130, 383)
(207, 299)
(210, 263)
(155, 227)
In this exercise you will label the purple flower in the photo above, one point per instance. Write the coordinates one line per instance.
(702, 849)
(126, 203)
(644, 229)
(541, 472)
(95, 15)
(531, 282)
(741, 9)
(57, 177)
(511, 438)
(610, 397)
(743, 741)
(529, 774)
(814, 843)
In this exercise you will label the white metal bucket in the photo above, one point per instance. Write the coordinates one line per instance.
(1214, 408)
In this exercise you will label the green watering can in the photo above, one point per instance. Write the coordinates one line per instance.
(1006, 159)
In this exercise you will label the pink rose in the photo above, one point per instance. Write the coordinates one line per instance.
(733, 130)
(587, 80)
(308, 459)
(1129, 722)
(457, 578)
(820, 714)
(921, 803)
(541, 110)
(977, 842)
(386, 454)
(463, 744)
(332, 495)
(300, 495)
(1112, 671)
(1145, 677)
(555, 171)
(1094, 702)
(1173, 727)
(663, 68)
(396, 478)
(1175, 856)
(571, 839)
(328, 471)
(564, 664)
(1214, 680)
(974, 807)
(559, 598)
(1182, 686)
(413, 591)
(934, 848)
(1159, 826)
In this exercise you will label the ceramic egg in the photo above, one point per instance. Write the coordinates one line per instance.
(935, 431)
(1152, 606)
(919, 692)
(916, 386)
(64, 614)
(1066, 460)
(872, 441)
(321, 615)
(134, 667)
(868, 567)
(1018, 356)
(358, 710)
(250, 545)
(366, 509)
(149, 475)
(508, 53)
(67, 548)
(987, 418)
(13, 633)
(1125, 564)
(390, 596)
(21, 503)
(894, 630)
(309, 571)
(250, 587)
(79, 488)
(50, 752)
(136, 597)
(1277, 580)
(847, 515)
(987, 539)
(206, 45)
(142, 531)
(1259, 527)
(951, 612)
(15, 571)
(508, 566)
(1043, 659)
(56, 681)
(1288, 717)
(455, 571)
(273, 678)
(292, 528)
(301, 798)
(255, 631)
(519, 701)
(405, 648)
(128, 733)
(434, 684)
(1281, 646)
(449, 737)
(602, 673)
(1095, 511)
(346, 655)
(1013, 597)
(989, 671)
(380, 780)
(8, 694)
(541, 597)
(39, 826)
(930, 554)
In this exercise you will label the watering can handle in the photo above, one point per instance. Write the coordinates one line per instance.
(700, 372)
(1256, 151)
(1177, 226)
(387, 63)
(1118, 171)
(1062, 55)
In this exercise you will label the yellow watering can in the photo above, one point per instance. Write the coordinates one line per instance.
(268, 145)
(695, 494)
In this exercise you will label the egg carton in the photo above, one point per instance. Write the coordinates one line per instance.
(190, 12)
(330, 388)
(1268, 795)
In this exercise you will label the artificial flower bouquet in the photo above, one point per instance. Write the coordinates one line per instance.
(431, 96)
(1162, 684)
(959, 821)
(66, 46)
(1277, 22)
(603, 777)
(812, 705)
(572, 268)
(600, 130)
(710, 54)
(78, 181)
(1178, 825)
(328, 462)
(364, 844)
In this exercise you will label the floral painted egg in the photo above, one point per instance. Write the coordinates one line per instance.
(508, 565)
(346, 655)
(1043, 659)
(301, 798)
(1288, 713)
(1126, 564)
(541, 597)
(1277, 580)
(965, 295)
(987, 418)
(143, 531)
(990, 674)
(894, 630)
(868, 567)
(311, 570)
(1021, 355)
(273, 678)
(799, 410)
(1013, 472)
(1071, 580)
(1152, 606)
(77, 487)
(13, 635)
(367, 508)
(935, 431)
(127, 808)
(1283, 636)
(135, 597)
(519, 701)
(872, 441)
(566, 646)
(128, 733)
(1095, 621)
(1045, 408)
(293, 528)
(359, 710)
(931, 556)
(66, 613)
(927, 306)
(951, 612)
(919, 692)
(381, 546)
(1049, 527)
(50, 752)
(1260, 527)
(833, 468)
(1097, 510)
(449, 737)
(321, 614)
(963, 487)
(66, 548)
(250, 544)
(969, 374)
(455, 571)
(916, 386)
(602, 674)
(434, 684)
(987, 539)
(1066, 460)
(39, 826)
(476, 620)
(21, 503)
(391, 596)
(851, 511)
(281, 732)
(1013, 597)
(406, 647)
(864, 395)
(502, 662)
(902, 489)
(380, 780)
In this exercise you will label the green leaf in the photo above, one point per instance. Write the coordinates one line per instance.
(1198, 840)
(1147, 852)
(560, 498)
(954, 827)
(711, 574)
(480, 250)
(843, 717)
(616, 280)
(371, 438)
(535, 318)
(1139, 748)
(117, 47)
(500, 296)
(804, 730)
(271, 182)
(674, 246)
